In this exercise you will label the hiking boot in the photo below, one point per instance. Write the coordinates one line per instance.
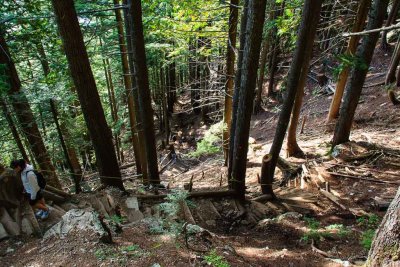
(39, 214)
(45, 214)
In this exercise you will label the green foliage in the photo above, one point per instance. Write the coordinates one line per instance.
(172, 209)
(116, 219)
(312, 223)
(315, 232)
(342, 230)
(211, 143)
(369, 223)
(366, 238)
(216, 260)
(105, 253)
(348, 61)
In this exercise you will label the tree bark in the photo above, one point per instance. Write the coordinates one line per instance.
(76, 172)
(309, 20)
(194, 78)
(14, 131)
(394, 62)
(171, 87)
(359, 73)
(251, 56)
(351, 49)
(142, 82)
(235, 100)
(85, 84)
(292, 147)
(134, 93)
(261, 75)
(128, 86)
(273, 62)
(391, 19)
(25, 117)
(385, 250)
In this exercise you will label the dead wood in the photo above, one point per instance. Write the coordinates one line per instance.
(333, 198)
(289, 170)
(186, 213)
(363, 178)
(205, 194)
(317, 250)
(57, 191)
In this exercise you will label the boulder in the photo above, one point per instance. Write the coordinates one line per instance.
(3, 232)
(77, 220)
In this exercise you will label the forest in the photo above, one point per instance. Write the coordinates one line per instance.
(200, 133)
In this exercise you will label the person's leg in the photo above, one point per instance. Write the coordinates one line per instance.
(40, 206)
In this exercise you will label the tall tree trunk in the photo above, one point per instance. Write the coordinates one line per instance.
(13, 129)
(113, 105)
(128, 86)
(85, 84)
(135, 96)
(292, 147)
(351, 49)
(309, 21)
(394, 62)
(25, 117)
(359, 73)
(194, 68)
(251, 56)
(261, 75)
(76, 172)
(142, 82)
(171, 87)
(235, 99)
(165, 111)
(273, 63)
(390, 20)
(385, 250)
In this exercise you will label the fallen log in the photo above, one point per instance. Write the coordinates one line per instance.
(57, 191)
(224, 193)
(52, 196)
(363, 178)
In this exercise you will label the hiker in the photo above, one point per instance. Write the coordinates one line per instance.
(31, 187)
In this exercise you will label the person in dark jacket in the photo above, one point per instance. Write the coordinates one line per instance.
(31, 187)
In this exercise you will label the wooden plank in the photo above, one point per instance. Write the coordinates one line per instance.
(332, 198)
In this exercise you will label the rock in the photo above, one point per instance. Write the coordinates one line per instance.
(132, 209)
(77, 220)
(252, 140)
(3, 233)
(134, 215)
(289, 215)
(265, 222)
(26, 227)
(9, 224)
(211, 223)
(132, 203)
(10, 250)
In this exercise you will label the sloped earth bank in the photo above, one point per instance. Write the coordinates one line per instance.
(361, 177)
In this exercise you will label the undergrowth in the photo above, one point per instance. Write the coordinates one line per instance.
(369, 223)
(210, 144)
(173, 219)
(316, 232)
(216, 260)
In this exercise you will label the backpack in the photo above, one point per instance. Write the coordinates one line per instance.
(40, 179)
